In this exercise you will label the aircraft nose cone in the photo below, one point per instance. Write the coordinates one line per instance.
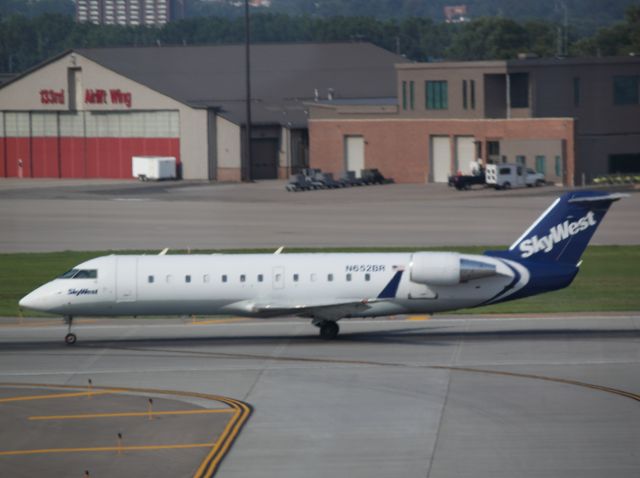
(29, 301)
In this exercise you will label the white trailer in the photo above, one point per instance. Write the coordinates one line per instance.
(147, 168)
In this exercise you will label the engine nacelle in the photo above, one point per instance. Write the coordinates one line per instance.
(447, 268)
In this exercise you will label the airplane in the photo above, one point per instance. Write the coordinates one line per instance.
(327, 287)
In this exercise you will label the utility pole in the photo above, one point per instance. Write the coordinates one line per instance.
(562, 28)
(246, 164)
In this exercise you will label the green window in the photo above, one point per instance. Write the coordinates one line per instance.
(436, 95)
(521, 160)
(411, 95)
(540, 160)
(472, 84)
(464, 94)
(558, 166)
(404, 95)
(625, 90)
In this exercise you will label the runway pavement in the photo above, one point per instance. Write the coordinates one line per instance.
(55, 215)
(414, 397)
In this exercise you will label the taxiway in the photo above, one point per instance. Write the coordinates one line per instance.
(417, 397)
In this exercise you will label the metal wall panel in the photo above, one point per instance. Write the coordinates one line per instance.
(44, 124)
(72, 145)
(45, 146)
(17, 124)
(3, 156)
(72, 125)
(84, 144)
(17, 144)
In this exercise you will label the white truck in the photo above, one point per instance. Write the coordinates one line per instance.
(155, 168)
(507, 176)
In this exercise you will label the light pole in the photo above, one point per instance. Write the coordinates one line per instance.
(246, 167)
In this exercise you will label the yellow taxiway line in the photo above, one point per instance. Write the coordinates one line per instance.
(418, 317)
(57, 395)
(106, 448)
(131, 414)
(210, 464)
(217, 321)
(43, 323)
(240, 410)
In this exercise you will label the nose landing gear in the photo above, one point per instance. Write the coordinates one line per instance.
(70, 338)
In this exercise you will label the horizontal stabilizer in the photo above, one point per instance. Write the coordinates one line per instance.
(604, 197)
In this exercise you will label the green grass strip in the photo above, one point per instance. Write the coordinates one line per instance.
(609, 280)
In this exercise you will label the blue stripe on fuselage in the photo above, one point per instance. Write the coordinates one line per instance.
(389, 292)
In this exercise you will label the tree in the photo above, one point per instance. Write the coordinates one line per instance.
(488, 38)
(620, 39)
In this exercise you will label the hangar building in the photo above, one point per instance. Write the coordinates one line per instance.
(86, 112)
(571, 119)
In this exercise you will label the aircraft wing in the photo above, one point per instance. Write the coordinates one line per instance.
(327, 310)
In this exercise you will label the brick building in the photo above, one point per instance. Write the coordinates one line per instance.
(571, 119)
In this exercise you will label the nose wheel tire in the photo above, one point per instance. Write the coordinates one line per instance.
(70, 338)
(329, 330)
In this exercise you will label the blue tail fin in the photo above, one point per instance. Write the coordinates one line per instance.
(562, 232)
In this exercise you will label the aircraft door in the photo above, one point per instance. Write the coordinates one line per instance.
(277, 278)
(126, 278)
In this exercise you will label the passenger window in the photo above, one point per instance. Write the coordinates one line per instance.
(224, 278)
(260, 277)
(205, 278)
(187, 279)
(295, 277)
(169, 279)
(313, 277)
(367, 277)
(150, 279)
(330, 277)
(243, 277)
(348, 277)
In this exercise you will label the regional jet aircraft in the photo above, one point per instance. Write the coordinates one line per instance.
(330, 287)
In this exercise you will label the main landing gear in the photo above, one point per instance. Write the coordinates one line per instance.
(70, 338)
(329, 329)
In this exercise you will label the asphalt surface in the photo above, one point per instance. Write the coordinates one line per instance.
(52, 215)
(481, 397)
(53, 431)
(466, 397)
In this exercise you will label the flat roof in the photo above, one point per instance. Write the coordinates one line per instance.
(533, 62)
(282, 75)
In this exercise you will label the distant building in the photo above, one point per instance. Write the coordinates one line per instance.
(129, 12)
(455, 14)
(86, 112)
(570, 119)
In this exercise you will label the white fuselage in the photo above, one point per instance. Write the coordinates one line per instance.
(266, 285)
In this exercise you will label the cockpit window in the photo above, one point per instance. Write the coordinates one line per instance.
(86, 274)
(69, 274)
(80, 274)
